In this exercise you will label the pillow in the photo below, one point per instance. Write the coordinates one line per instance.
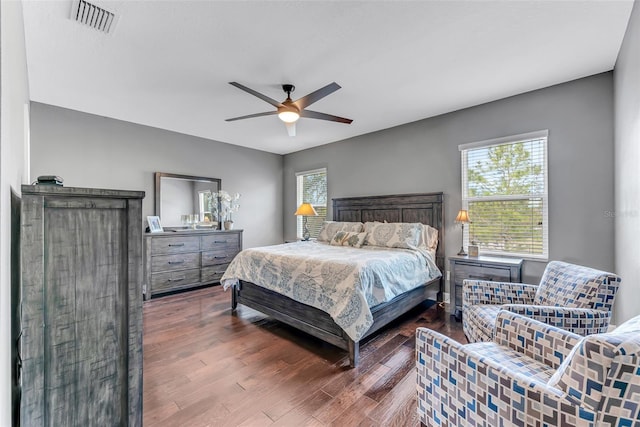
(393, 234)
(330, 228)
(429, 237)
(348, 238)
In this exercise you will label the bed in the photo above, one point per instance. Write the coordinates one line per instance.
(424, 208)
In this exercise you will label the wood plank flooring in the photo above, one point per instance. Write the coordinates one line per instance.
(204, 366)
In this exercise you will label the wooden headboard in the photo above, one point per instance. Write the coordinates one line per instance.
(426, 208)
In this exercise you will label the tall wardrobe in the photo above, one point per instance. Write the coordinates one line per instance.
(80, 307)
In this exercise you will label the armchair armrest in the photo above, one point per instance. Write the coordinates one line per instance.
(581, 321)
(544, 343)
(483, 292)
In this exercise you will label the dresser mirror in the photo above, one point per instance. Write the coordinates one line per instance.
(183, 201)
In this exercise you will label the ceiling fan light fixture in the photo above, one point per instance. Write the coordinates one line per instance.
(288, 115)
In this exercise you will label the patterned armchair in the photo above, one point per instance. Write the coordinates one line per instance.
(578, 299)
(531, 374)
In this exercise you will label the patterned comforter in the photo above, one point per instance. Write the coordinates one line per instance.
(342, 281)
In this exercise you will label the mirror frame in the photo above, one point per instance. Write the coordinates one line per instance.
(159, 175)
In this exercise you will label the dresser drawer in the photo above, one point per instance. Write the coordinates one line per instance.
(221, 241)
(171, 245)
(180, 261)
(220, 256)
(170, 280)
(213, 273)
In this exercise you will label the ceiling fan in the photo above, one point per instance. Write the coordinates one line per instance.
(290, 111)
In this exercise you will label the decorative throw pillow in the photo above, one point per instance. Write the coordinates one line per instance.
(348, 238)
(330, 228)
(393, 234)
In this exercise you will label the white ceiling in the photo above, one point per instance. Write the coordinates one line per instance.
(168, 63)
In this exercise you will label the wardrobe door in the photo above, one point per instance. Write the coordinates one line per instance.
(77, 365)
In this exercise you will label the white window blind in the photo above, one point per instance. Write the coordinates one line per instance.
(312, 188)
(504, 188)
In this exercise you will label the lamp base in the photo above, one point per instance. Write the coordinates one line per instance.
(462, 252)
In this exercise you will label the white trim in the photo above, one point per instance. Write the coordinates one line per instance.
(505, 140)
(312, 171)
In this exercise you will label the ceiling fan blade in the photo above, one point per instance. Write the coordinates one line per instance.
(307, 100)
(291, 128)
(269, 113)
(322, 116)
(257, 94)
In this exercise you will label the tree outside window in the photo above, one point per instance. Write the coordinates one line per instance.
(504, 190)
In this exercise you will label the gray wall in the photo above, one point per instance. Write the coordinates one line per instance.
(92, 151)
(14, 89)
(627, 165)
(423, 157)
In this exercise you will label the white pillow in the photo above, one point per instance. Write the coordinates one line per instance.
(429, 237)
(330, 228)
(393, 234)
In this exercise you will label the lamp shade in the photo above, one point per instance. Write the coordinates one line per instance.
(306, 209)
(463, 216)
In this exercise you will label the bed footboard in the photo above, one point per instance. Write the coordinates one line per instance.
(318, 323)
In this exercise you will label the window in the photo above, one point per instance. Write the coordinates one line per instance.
(312, 188)
(504, 188)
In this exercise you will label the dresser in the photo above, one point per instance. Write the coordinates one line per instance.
(80, 306)
(492, 269)
(188, 258)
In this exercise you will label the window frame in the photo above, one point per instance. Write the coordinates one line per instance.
(300, 197)
(544, 196)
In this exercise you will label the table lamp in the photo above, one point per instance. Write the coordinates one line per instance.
(305, 210)
(462, 218)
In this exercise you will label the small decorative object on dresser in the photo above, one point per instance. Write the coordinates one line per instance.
(154, 224)
(185, 259)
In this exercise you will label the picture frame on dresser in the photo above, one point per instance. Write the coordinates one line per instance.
(154, 224)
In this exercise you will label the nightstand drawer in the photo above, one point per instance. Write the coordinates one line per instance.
(490, 269)
(481, 272)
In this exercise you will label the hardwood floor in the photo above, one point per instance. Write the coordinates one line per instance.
(204, 366)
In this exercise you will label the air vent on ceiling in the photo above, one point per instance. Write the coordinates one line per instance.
(93, 16)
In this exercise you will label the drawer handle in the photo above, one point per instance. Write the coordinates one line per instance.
(177, 280)
(176, 262)
(219, 257)
(218, 272)
(220, 241)
(489, 279)
(176, 244)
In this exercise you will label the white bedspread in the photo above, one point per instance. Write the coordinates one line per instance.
(342, 281)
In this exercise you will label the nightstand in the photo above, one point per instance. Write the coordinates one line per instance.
(492, 269)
